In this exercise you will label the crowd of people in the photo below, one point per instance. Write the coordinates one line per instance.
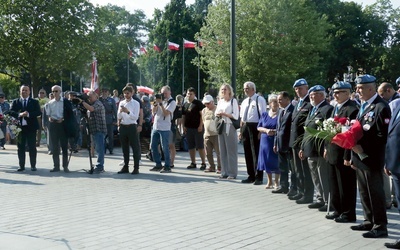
(296, 163)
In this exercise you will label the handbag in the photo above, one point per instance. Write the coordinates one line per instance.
(235, 122)
(220, 125)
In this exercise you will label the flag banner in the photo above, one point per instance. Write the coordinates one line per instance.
(188, 44)
(156, 48)
(94, 85)
(201, 43)
(143, 50)
(173, 46)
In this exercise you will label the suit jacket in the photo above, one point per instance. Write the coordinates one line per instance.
(71, 126)
(334, 152)
(297, 126)
(314, 147)
(283, 127)
(392, 154)
(375, 122)
(32, 107)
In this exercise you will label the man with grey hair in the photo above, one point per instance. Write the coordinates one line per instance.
(312, 149)
(251, 109)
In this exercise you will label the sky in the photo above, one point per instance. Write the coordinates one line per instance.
(148, 6)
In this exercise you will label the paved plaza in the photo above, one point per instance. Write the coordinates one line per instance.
(185, 209)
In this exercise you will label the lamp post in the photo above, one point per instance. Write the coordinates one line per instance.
(233, 47)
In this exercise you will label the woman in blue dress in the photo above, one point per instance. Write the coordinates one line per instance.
(267, 158)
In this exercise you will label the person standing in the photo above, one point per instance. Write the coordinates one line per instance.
(305, 187)
(62, 125)
(128, 114)
(312, 149)
(392, 156)
(42, 98)
(5, 108)
(374, 117)
(342, 177)
(227, 109)
(211, 134)
(26, 109)
(193, 127)
(251, 109)
(267, 158)
(163, 110)
(97, 126)
(111, 119)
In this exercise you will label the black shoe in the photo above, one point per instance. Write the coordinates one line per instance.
(295, 197)
(135, 171)
(280, 191)
(172, 166)
(362, 227)
(247, 181)
(66, 170)
(203, 167)
(124, 170)
(317, 204)
(332, 216)
(292, 192)
(324, 208)
(33, 168)
(395, 245)
(375, 234)
(55, 170)
(344, 219)
(304, 201)
(394, 202)
(258, 182)
(111, 152)
(20, 169)
(191, 166)
(156, 169)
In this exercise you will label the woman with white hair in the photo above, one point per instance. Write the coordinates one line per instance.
(267, 158)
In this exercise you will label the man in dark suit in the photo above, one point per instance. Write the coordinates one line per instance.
(305, 188)
(342, 177)
(392, 159)
(26, 109)
(281, 143)
(374, 117)
(312, 149)
(387, 92)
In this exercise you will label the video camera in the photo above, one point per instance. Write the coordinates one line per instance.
(78, 99)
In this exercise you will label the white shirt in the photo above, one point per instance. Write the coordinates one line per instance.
(161, 122)
(252, 114)
(226, 107)
(134, 107)
(55, 109)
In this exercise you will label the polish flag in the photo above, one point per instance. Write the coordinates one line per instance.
(188, 44)
(143, 50)
(156, 48)
(173, 46)
(94, 85)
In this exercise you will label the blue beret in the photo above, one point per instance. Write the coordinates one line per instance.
(316, 88)
(300, 82)
(341, 85)
(398, 81)
(364, 79)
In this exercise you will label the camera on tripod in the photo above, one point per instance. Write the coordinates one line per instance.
(78, 101)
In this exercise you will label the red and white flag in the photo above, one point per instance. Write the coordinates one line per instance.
(156, 48)
(143, 50)
(188, 44)
(94, 85)
(173, 46)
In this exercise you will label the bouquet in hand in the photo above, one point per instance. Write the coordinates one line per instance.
(327, 129)
(14, 125)
(348, 139)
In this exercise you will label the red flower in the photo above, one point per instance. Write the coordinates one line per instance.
(349, 139)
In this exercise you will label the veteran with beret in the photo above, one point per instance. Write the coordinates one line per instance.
(303, 192)
(312, 149)
(374, 117)
(342, 178)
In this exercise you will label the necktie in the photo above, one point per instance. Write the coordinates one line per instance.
(24, 103)
(313, 111)
(246, 111)
(362, 109)
(282, 114)
(299, 104)
(336, 110)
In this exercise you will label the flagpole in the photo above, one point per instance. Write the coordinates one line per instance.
(127, 62)
(198, 75)
(183, 67)
(167, 64)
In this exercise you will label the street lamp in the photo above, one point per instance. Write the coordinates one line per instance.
(233, 47)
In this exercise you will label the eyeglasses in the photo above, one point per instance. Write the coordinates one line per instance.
(42, 93)
(54, 91)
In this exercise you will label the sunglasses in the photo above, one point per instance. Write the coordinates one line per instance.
(54, 91)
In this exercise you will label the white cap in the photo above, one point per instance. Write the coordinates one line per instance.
(208, 99)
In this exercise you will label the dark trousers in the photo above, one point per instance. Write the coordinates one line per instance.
(304, 182)
(396, 186)
(285, 166)
(27, 137)
(3, 128)
(58, 137)
(110, 136)
(251, 145)
(130, 138)
(372, 196)
(343, 187)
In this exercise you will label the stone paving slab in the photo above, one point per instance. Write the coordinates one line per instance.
(186, 209)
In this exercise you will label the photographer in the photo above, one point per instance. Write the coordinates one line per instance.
(97, 126)
(163, 109)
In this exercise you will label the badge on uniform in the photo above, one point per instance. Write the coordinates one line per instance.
(369, 117)
(366, 127)
(387, 120)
